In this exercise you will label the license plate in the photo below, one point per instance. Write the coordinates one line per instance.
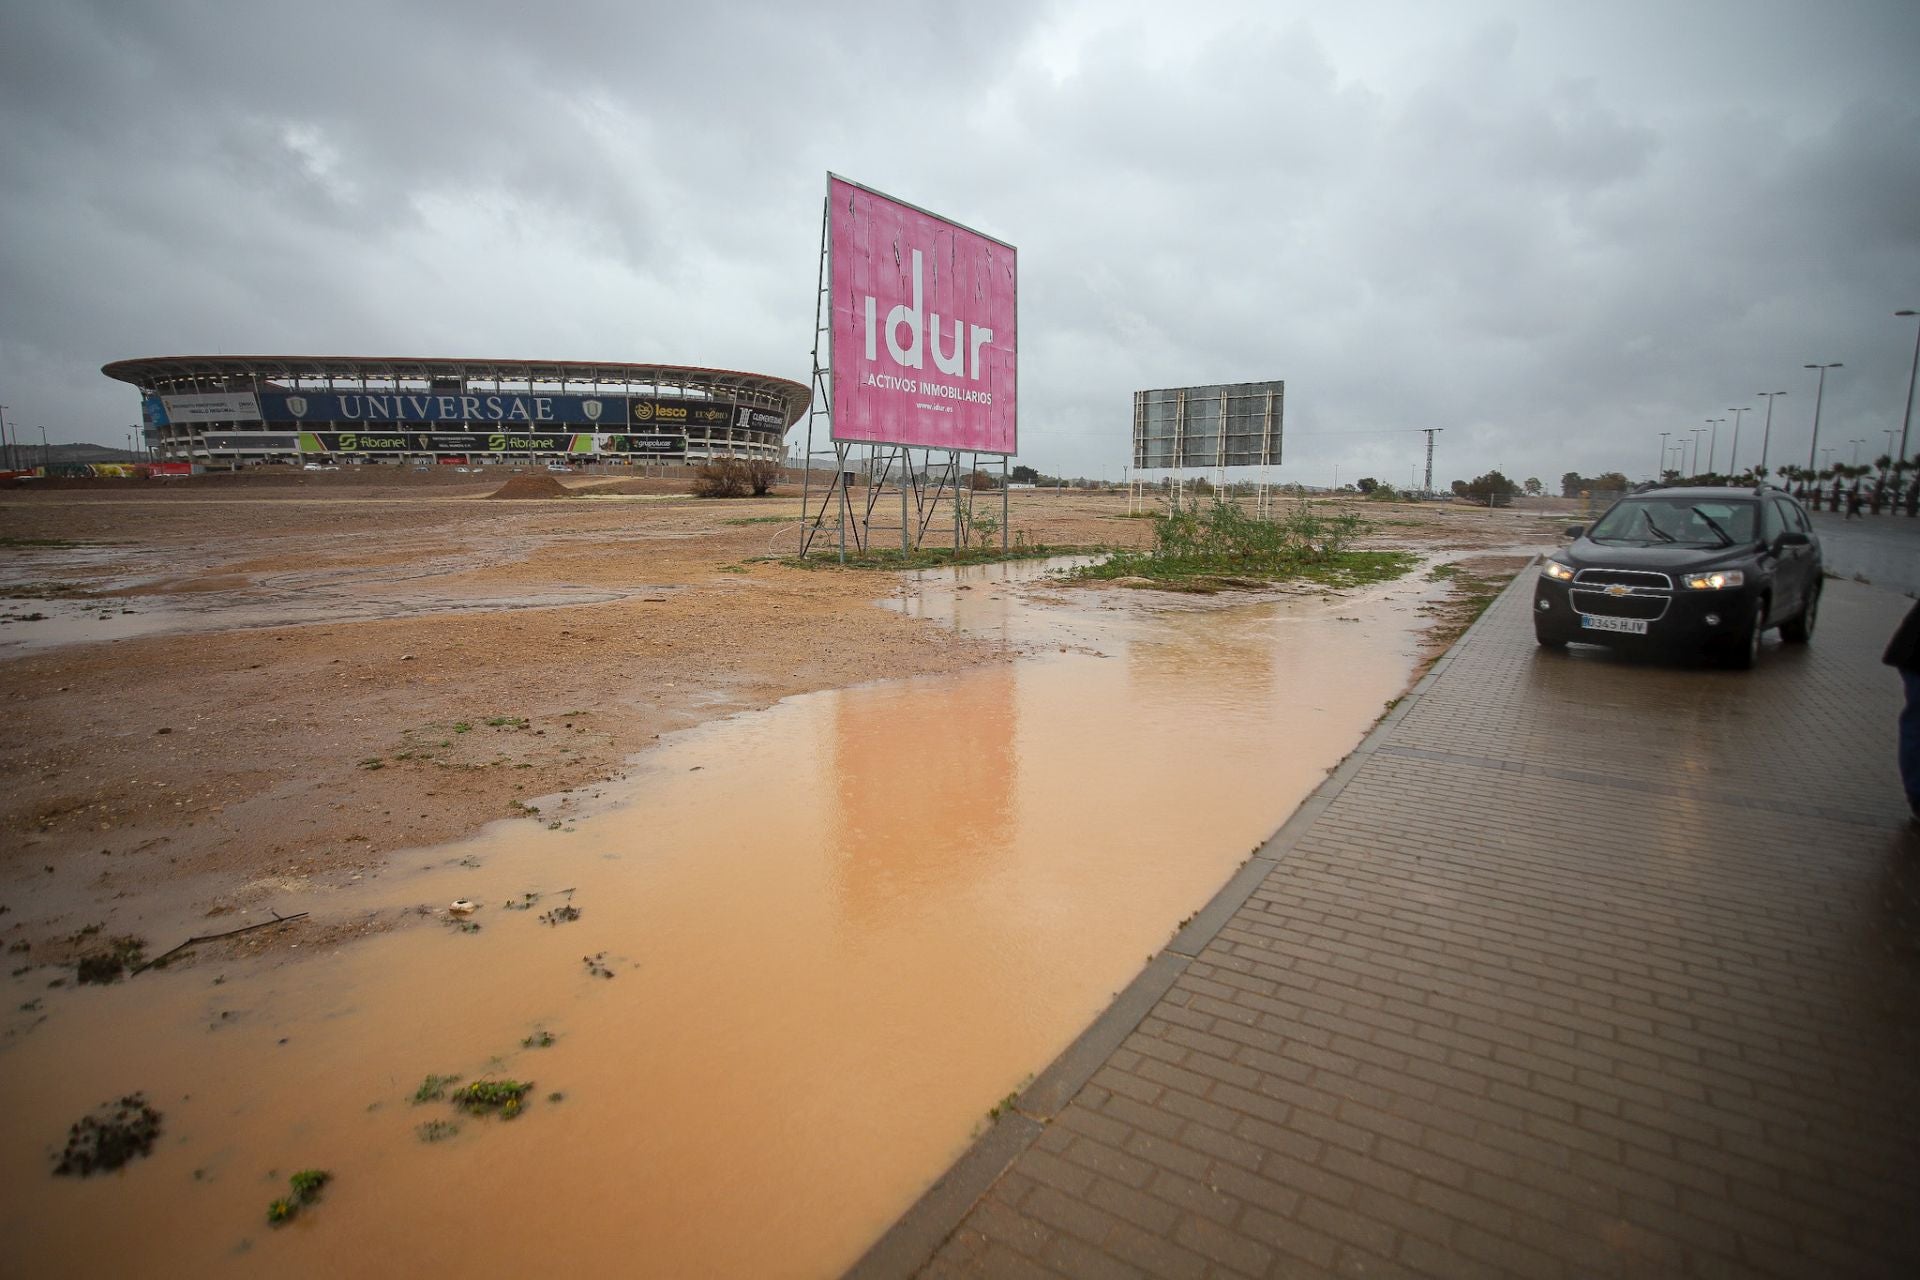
(1632, 626)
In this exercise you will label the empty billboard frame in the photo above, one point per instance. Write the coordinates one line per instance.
(922, 342)
(1236, 424)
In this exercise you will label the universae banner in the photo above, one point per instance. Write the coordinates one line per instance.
(922, 344)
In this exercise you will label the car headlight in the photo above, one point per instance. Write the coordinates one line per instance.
(1559, 572)
(1715, 581)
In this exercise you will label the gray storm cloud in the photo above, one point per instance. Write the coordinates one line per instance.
(1554, 232)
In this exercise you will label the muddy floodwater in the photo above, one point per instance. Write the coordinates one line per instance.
(814, 946)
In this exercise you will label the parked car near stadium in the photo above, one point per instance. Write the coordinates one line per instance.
(1685, 571)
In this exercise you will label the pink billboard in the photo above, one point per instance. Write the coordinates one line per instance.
(922, 342)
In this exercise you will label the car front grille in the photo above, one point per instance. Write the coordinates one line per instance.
(1644, 578)
(1622, 593)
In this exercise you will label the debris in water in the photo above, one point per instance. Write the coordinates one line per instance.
(597, 964)
(112, 1134)
(561, 915)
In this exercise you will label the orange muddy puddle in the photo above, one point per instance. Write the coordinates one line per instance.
(840, 930)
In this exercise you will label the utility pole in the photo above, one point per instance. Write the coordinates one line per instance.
(1431, 433)
(5, 455)
(1766, 437)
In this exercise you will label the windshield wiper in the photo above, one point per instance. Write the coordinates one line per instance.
(1725, 540)
(1658, 532)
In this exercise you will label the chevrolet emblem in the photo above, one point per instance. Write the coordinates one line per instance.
(1617, 590)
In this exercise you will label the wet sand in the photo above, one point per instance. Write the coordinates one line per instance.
(839, 931)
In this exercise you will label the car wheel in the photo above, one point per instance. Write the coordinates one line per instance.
(1547, 640)
(1800, 630)
(1746, 648)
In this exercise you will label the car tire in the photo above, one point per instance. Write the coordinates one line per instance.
(1799, 630)
(1547, 640)
(1746, 647)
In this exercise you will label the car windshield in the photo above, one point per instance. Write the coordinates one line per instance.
(1689, 521)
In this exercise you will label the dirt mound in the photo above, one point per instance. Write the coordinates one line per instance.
(535, 484)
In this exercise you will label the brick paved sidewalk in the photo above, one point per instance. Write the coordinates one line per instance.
(1577, 967)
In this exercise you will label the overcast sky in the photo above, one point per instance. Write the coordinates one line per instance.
(1555, 230)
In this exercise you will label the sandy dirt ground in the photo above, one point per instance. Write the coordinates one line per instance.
(225, 695)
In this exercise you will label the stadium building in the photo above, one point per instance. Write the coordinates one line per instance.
(232, 411)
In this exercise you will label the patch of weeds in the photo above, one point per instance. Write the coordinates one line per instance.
(436, 1130)
(106, 966)
(554, 825)
(542, 1039)
(525, 902)
(733, 568)
(597, 965)
(469, 861)
(108, 1137)
(504, 1098)
(521, 806)
(463, 926)
(556, 1097)
(433, 1088)
(761, 520)
(507, 722)
(1441, 572)
(461, 726)
(561, 915)
(56, 542)
(306, 1186)
(1219, 547)
(1003, 1106)
(373, 762)
(566, 714)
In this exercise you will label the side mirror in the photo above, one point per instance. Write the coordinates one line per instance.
(1575, 530)
(1792, 538)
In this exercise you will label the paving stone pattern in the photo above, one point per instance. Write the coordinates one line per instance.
(1589, 967)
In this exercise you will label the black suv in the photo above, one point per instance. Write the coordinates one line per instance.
(1685, 570)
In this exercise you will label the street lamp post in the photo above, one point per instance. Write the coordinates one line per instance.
(1733, 453)
(1713, 441)
(45, 460)
(1766, 437)
(1906, 418)
(1693, 459)
(1856, 452)
(1818, 394)
(1661, 471)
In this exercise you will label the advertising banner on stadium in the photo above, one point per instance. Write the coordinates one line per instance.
(384, 408)
(250, 441)
(655, 412)
(643, 444)
(234, 406)
(922, 343)
(377, 441)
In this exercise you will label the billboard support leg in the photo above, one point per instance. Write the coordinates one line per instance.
(1005, 515)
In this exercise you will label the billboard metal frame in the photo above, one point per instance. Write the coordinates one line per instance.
(889, 466)
(1173, 425)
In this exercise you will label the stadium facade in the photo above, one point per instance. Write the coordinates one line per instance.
(232, 411)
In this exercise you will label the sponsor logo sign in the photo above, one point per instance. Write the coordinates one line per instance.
(233, 406)
(922, 343)
(679, 413)
(643, 444)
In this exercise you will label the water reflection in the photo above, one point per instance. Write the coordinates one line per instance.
(924, 783)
